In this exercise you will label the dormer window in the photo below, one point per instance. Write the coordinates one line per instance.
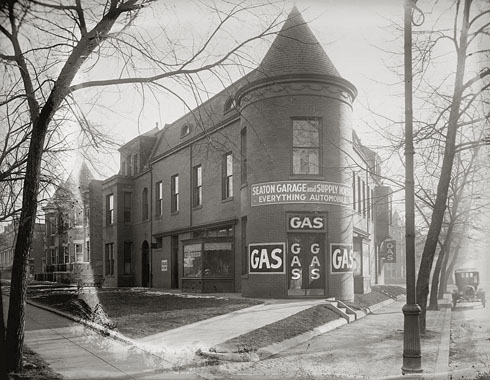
(185, 130)
(230, 104)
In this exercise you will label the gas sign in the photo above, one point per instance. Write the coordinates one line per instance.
(266, 258)
(341, 258)
(306, 223)
(389, 251)
(306, 257)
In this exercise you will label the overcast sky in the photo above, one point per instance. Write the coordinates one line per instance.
(354, 33)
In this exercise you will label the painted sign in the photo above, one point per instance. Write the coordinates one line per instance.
(164, 265)
(266, 258)
(282, 192)
(306, 223)
(341, 258)
(306, 261)
(388, 251)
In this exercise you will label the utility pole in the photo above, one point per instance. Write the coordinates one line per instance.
(412, 359)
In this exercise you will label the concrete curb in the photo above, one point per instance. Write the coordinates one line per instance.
(275, 348)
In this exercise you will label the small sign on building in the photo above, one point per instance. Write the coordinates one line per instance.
(164, 265)
(341, 258)
(388, 251)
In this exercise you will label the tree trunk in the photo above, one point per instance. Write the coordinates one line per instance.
(434, 289)
(79, 54)
(18, 286)
(3, 347)
(443, 279)
(445, 175)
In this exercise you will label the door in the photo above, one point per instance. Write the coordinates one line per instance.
(174, 262)
(145, 265)
(306, 264)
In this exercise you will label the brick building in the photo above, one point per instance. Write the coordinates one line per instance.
(73, 240)
(264, 189)
(8, 239)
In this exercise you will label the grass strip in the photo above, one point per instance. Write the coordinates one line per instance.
(279, 331)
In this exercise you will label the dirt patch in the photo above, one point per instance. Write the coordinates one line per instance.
(34, 368)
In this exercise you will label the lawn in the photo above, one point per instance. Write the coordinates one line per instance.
(137, 312)
(304, 321)
(281, 330)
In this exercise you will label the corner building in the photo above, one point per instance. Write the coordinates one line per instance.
(264, 189)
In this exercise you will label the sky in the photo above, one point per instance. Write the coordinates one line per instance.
(354, 33)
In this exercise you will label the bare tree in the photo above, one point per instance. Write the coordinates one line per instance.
(46, 44)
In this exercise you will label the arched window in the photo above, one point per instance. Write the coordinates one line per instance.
(145, 204)
(230, 104)
(185, 130)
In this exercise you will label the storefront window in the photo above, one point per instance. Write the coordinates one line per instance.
(218, 259)
(192, 260)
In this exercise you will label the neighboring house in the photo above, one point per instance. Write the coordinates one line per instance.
(73, 230)
(264, 189)
(394, 269)
(7, 245)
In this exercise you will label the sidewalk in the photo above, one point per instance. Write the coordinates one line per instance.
(77, 352)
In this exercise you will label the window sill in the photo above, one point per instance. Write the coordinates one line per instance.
(229, 199)
(243, 185)
(306, 177)
(174, 213)
(197, 207)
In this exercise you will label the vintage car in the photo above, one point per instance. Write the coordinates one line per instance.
(467, 281)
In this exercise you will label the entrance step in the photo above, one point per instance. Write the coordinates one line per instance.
(342, 310)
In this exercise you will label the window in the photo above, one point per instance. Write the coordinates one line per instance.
(109, 209)
(109, 259)
(127, 257)
(359, 199)
(144, 211)
(66, 254)
(354, 200)
(217, 259)
(372, 204)
(135, 164)
(230, 104)
(52, 255)
(86, 256)
(159, 199)
(129, 167)
(197, 183)
(192, 260)
(363, 198)
(185, 130)
(306, 147)
(243, 143)
(79, 253)
(174, 193)
(127, 207)
(227, 176)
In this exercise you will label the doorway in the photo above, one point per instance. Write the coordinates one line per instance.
(174, 262)
(145, 265)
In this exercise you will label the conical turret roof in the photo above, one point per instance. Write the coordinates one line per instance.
(295, 51)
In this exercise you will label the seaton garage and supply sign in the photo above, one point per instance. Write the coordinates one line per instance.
(283, 192)
(304, 254)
